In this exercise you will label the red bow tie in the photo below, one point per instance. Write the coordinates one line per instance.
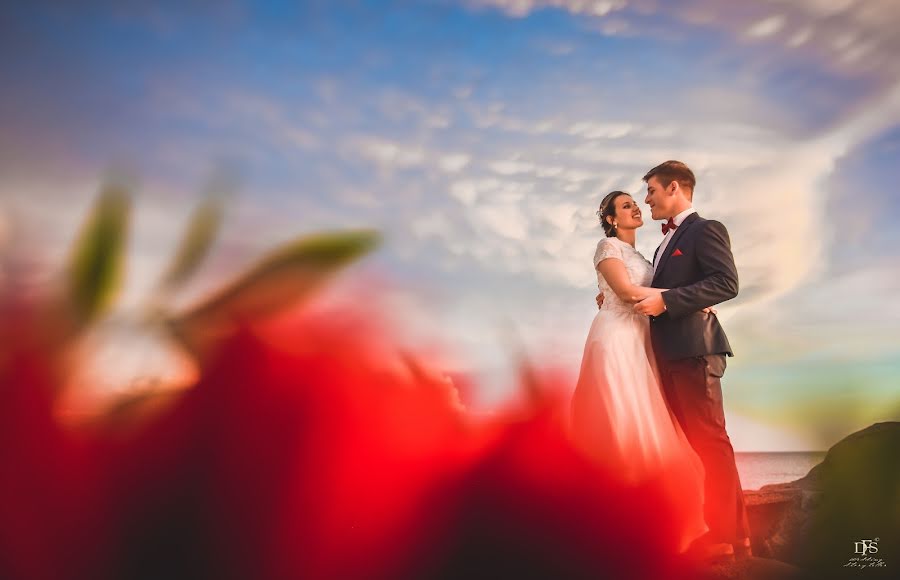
(669, 225)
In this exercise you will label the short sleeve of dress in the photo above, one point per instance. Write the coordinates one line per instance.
(607, 248)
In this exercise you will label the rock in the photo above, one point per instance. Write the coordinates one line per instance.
(767, 509)
(753, 569)
(817, 521)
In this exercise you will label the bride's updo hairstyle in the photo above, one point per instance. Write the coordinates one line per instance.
(608, 209)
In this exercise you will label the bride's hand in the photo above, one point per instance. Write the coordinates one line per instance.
(710, 310)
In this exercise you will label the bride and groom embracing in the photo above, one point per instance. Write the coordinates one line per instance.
(648, 402)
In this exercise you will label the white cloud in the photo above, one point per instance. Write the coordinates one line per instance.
(437, 121)
(467, 191)
(559, 214)
(504, 219)
(766, 27)
(521, 8)
(432, 225)
(493, 117)
(511, 167)
(590, 130)
(800, 37)
(454, 162)
(782, 262)
(463, 93)
(616, 27)
(838, 25)
(549, 170)
(577, 176)
(388, 154)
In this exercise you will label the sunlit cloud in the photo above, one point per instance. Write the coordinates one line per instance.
(841, 33)
(766, 27)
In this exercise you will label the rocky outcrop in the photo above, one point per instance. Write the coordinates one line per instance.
(853, 495)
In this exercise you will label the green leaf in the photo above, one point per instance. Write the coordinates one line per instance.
(199, 236)
(281, 279)
(96, 265)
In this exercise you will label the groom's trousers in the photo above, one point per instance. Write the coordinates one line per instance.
(694, 392)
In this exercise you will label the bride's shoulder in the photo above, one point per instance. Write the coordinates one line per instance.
(606, 245)
(608, 248)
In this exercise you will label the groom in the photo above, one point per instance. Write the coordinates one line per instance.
(694, 262)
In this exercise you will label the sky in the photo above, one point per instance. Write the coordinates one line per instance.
(480, 136)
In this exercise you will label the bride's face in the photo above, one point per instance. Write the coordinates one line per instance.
(628, 214)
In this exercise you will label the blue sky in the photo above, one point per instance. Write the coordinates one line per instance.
(480, 136)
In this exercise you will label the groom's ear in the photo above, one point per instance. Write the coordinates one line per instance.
(675, 188)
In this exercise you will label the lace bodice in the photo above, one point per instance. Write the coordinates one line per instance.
(640, 271)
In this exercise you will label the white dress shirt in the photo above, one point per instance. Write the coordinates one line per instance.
(662, 246)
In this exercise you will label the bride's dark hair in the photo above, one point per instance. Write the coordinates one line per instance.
(607, 209)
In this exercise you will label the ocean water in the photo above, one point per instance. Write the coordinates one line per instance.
(762, 468)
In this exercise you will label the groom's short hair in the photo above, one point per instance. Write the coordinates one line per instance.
(672, 170)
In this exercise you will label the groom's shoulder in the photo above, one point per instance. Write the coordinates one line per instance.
(715, 225)
(709, 229)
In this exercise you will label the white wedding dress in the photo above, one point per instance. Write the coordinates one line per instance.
(619, 412)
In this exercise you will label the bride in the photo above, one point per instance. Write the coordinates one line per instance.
(619, 412)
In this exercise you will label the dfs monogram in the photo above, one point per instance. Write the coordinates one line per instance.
(865, 547)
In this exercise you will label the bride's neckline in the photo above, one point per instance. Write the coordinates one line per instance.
(623, 242)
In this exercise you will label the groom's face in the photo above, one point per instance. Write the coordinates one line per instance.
(660, 201)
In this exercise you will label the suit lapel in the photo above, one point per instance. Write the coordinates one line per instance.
(672, 244)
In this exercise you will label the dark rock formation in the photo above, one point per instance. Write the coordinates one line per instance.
(852, 496)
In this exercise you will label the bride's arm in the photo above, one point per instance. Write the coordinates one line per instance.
(615, 274)
(617, 277)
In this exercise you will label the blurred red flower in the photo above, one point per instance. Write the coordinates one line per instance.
(313, 448)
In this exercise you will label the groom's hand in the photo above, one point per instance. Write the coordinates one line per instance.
(652, 305)
(600, 300)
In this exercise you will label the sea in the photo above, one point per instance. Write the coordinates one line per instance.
(762, 468)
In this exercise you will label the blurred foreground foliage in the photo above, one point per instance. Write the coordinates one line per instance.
(281, 279)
